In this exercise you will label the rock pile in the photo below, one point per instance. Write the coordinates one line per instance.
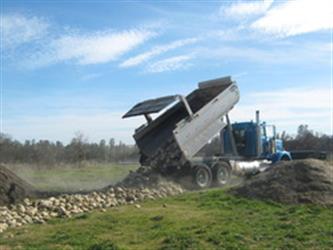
(298, 181)
(142, 177)
(41, 210)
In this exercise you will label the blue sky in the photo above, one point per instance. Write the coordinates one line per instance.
(71, 66)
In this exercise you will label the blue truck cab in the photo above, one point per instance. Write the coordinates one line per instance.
(272, 147)
(253, 141)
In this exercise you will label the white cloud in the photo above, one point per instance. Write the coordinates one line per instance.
(288, 108)
(44, 48)
(100, 47)
(292, 53)
(226, 35)
(296, 17)
(18, 29)
(169, 64)
(136, 60)
(246, 8)
(296, 98)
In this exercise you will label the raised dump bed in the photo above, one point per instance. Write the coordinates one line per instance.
(183, 124)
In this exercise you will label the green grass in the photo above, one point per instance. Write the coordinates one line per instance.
(198, 220)
(71, 177)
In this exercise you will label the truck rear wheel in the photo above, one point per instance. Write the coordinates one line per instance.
(202, 176)
(221, 173)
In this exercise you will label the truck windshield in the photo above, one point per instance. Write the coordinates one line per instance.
(269, 131)
(240, 140)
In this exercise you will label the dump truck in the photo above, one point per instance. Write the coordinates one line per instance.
(182, 127)
(170, 142)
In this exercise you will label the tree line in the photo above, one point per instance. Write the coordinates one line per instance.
(78, 150)
(308, 139)
(45, 152)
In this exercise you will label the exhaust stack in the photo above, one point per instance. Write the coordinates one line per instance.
(258, 146)
(257, 117)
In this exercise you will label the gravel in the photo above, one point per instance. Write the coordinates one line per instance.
(65, 206)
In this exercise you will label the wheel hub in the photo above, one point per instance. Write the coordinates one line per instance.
(202, 178)
(222, 176)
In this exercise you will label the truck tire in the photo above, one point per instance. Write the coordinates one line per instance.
(202, 176)
(221, 173)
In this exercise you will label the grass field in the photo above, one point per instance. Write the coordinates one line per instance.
(199, 220)
(71, 177)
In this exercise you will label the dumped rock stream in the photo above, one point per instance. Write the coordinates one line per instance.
(26, 205)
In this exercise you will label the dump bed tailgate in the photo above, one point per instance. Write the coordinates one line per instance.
(194, 133)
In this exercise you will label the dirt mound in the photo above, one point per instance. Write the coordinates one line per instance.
(298, 181)
(13, 188)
